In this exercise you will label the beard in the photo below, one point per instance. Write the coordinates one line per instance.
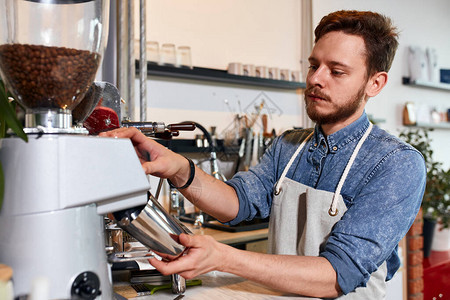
(338, 113)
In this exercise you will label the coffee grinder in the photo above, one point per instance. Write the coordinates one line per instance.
(59, 185)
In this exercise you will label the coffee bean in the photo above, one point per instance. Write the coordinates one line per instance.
(48, 77)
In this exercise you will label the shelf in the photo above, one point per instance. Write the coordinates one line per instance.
(424, 84)
(221, 76)
(431, 125)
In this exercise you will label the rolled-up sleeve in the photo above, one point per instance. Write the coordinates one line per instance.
(382, 193)
(377, 220)
(254, 188)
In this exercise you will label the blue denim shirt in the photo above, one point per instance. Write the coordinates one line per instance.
(383, 192)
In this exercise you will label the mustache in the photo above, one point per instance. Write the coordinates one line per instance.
(317, 93)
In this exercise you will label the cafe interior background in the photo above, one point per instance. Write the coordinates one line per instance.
(223, 34)
(278, 34)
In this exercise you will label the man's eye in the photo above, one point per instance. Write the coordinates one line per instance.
(312, 68)
(335, 72)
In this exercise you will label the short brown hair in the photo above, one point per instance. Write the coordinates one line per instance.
(380, 36)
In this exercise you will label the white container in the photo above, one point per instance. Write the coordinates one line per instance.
(249, 70)
(285, 74)
(274, 73)
(184, 58)
(235, 68)
(262, 72)
(6, 286)
(441, 239)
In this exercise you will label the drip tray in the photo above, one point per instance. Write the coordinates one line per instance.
(243, 226)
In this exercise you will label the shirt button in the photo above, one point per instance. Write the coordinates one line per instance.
(334, 148)
(315, 144)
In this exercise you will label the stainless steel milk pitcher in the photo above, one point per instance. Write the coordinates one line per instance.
(154, 227)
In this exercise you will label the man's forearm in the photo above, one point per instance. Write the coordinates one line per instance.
(302, 275)
(208, 193)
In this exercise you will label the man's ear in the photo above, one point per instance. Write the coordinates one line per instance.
(376, 83)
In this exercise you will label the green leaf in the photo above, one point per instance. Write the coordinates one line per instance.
(8, 119)
(436, 199)
(8, 116)
(2, 129)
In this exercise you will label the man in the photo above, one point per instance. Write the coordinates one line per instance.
(340, 197)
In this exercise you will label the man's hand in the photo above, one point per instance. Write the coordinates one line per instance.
(204, 255)
(207, 193)
(303, 275)
(156, 159)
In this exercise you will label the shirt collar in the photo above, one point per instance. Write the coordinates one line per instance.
(342, 137)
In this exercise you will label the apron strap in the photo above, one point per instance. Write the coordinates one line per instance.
(333, 207)
(291, 161)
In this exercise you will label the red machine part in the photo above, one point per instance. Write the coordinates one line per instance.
(436, 275)
(101, 119)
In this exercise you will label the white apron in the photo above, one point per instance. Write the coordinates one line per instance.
(302, 218)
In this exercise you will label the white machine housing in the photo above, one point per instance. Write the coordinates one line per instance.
(57, 190)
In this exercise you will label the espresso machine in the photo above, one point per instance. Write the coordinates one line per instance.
(60, 184)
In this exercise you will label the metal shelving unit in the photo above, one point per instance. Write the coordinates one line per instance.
(428, 85)
(221, 76)
(431, 125)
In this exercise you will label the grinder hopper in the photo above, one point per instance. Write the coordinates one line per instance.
(50, 52)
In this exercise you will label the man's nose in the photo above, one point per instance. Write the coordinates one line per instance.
(317, 77)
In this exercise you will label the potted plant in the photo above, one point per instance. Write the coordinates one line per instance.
(436, 199)
(8, 119)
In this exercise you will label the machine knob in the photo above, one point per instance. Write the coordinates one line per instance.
(86, 286)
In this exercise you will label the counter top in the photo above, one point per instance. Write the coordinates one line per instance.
(230, 238)
(219, 285)
(216, 285)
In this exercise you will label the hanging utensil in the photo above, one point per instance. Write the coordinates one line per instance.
(248, 148)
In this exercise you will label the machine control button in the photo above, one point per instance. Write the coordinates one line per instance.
(86, 286)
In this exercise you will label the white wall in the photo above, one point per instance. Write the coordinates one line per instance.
(259, 32)
(424, 24)
(173, 101)
(268, 32)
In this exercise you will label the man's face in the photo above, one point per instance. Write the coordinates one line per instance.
(336, 80)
